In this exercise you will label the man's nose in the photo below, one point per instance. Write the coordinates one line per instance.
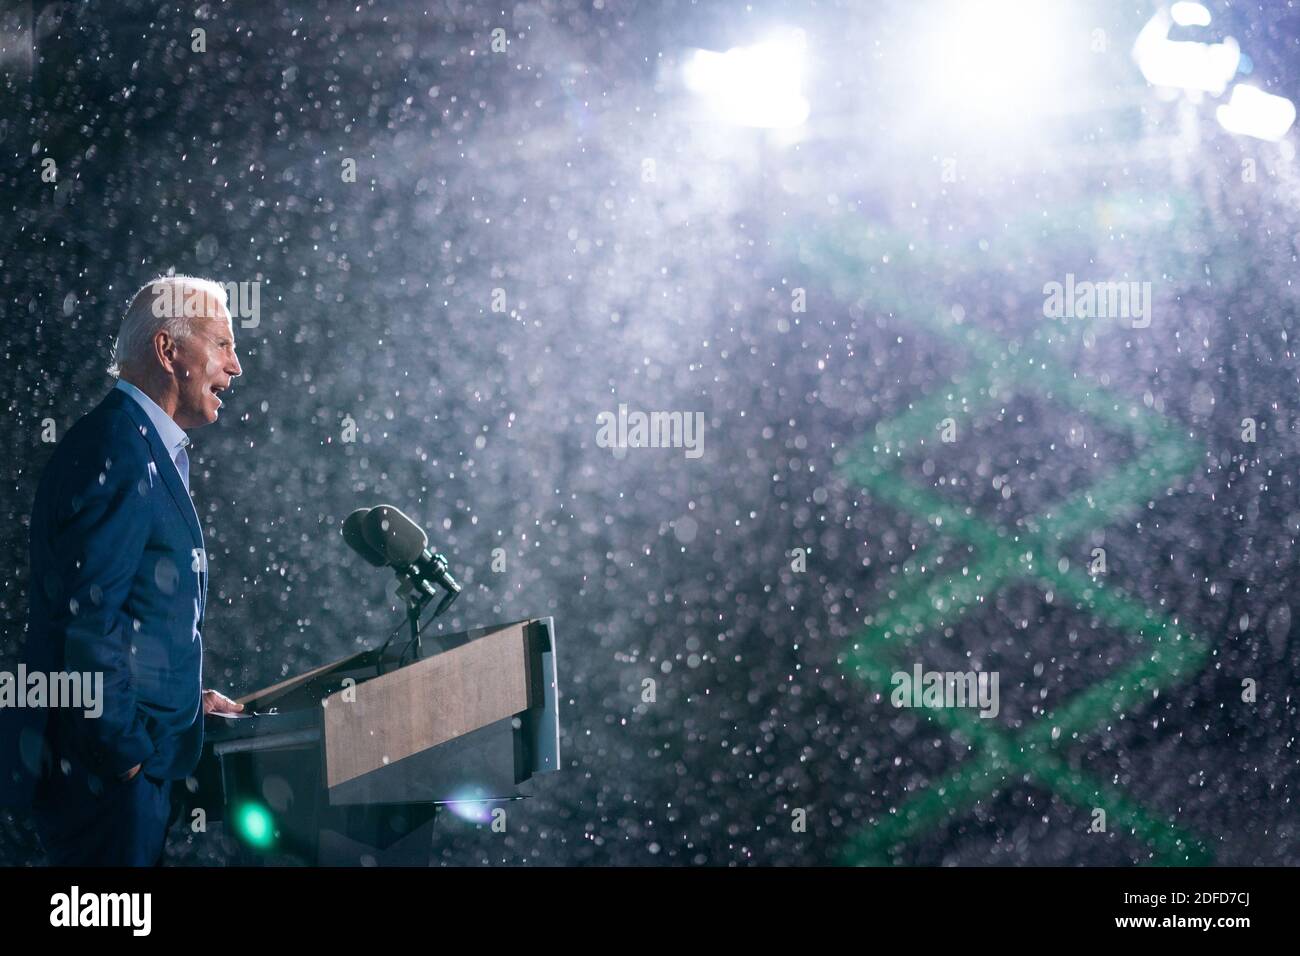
(234, 370)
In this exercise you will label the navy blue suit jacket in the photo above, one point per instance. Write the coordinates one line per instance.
(118, 585)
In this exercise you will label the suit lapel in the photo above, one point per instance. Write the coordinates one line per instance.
(166, 468)
(162, 462)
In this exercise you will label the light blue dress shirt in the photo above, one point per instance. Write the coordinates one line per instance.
(173, 436)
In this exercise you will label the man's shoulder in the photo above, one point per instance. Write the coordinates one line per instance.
(105, 435)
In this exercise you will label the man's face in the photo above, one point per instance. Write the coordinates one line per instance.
(205, 363)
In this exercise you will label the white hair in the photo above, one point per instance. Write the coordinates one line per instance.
(164, 304)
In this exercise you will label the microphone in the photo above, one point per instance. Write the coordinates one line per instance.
(385, 537)
(399, 539)
(355, 538)
(402, 544)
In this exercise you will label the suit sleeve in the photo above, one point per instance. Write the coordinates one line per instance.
(98, 545)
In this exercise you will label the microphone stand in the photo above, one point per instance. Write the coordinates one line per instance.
(413, 611)
(417, 591)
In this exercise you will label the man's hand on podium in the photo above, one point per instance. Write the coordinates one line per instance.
(214, 702)
(217, 703)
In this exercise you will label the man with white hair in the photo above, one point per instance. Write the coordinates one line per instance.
(119, 585)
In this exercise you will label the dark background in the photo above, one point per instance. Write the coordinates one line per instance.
(523, 171)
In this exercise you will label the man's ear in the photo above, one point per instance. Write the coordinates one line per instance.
(165, 349)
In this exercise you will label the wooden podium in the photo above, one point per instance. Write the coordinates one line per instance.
(348, 763)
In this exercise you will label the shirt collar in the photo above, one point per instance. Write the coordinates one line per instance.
(172, 435)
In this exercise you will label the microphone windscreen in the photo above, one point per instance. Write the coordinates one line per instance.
(394, 535)
(355, 537)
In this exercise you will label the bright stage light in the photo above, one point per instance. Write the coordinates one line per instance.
(1188, 14)
(1184, 64)
(992, 61)
(759, 85)
(475, 811)
(254, 823)
(1252, 112)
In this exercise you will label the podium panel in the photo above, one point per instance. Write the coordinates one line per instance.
(359, 752)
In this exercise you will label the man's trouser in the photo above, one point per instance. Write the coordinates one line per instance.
(109, 823)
